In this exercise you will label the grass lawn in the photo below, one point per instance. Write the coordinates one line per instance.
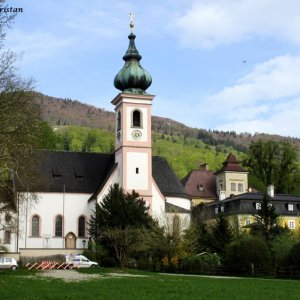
(24, 284)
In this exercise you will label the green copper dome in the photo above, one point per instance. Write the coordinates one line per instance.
(132, 78)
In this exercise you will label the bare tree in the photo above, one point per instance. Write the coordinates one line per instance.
(20, 128)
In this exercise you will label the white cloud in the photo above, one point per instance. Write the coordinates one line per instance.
(265, 100)
(208, 24)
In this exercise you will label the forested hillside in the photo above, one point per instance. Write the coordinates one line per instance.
(57, 111)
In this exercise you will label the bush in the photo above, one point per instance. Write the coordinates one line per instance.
(203, 263)
(294, 257)
(247, 255)
(281, 247)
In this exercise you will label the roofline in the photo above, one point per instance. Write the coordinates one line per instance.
(95, 194)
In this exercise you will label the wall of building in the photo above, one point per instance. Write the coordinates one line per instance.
(47, 207)
(227, 178)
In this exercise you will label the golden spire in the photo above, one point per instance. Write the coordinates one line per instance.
(131, 24)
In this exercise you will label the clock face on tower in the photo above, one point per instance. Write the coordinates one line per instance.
(136, 134)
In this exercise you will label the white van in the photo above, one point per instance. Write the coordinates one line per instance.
(80, 261)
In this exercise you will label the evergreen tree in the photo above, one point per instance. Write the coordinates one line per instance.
(119, 209)
(266, 220)
(221, 234)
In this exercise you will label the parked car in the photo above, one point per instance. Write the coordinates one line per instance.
(8, 263)
(80, 261)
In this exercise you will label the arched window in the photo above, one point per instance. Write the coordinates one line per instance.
(119, 121)
(58, 226)
(35, 226)
(81, 226)
(136, 118)
(176, 225)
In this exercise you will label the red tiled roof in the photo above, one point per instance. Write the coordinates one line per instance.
(231, 164)
(200, 183)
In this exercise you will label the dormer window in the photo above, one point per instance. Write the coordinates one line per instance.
(78, 174)
(290, 207)
(200, 187)
(136, 119)
(56, 173)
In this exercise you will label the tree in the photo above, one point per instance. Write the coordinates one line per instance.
(119, 209)
(19, 128)
(119, 221)
(221, 234)
(124, 241)
(168, 238)
(266, 220)
(273, 163)
(281, 247)
(247, 254)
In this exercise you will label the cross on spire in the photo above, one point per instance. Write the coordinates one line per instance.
(131, 24)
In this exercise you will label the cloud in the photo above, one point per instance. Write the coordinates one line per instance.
(265, 100)
(208, 24)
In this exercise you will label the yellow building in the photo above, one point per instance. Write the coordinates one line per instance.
(234, 199)
(232, 179)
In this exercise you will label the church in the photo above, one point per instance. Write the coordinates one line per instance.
(53, 216)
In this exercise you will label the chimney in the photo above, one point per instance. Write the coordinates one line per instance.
(203, 167)
(222, 195)
(271, 190)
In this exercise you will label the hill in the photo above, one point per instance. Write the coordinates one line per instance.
(58, 112)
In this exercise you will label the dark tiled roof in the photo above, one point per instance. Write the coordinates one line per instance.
(246, 204)
(86, 172)
(231, 164)
(76, 171)
(200, 183)
(259, 197)
(171, 208)
(165, 178)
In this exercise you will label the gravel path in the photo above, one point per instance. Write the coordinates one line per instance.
(71, 275)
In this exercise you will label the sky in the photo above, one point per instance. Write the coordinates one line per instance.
(231, 65)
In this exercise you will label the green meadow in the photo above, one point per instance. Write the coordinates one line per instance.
(31, 285)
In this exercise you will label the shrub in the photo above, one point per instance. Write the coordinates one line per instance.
(247, 255)
(203, 263)
(294, 257)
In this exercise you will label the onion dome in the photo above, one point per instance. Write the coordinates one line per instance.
(132, 78)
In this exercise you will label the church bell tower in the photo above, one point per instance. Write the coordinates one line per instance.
(133, 152)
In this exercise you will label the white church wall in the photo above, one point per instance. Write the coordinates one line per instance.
(185, 220)
(48, 206)
(114, 178)
(158, 204)
(180, 202)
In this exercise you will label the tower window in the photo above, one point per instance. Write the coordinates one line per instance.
(136, 118)
(233, 187)
(136, 170)
(119, 121)
(240, 187)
